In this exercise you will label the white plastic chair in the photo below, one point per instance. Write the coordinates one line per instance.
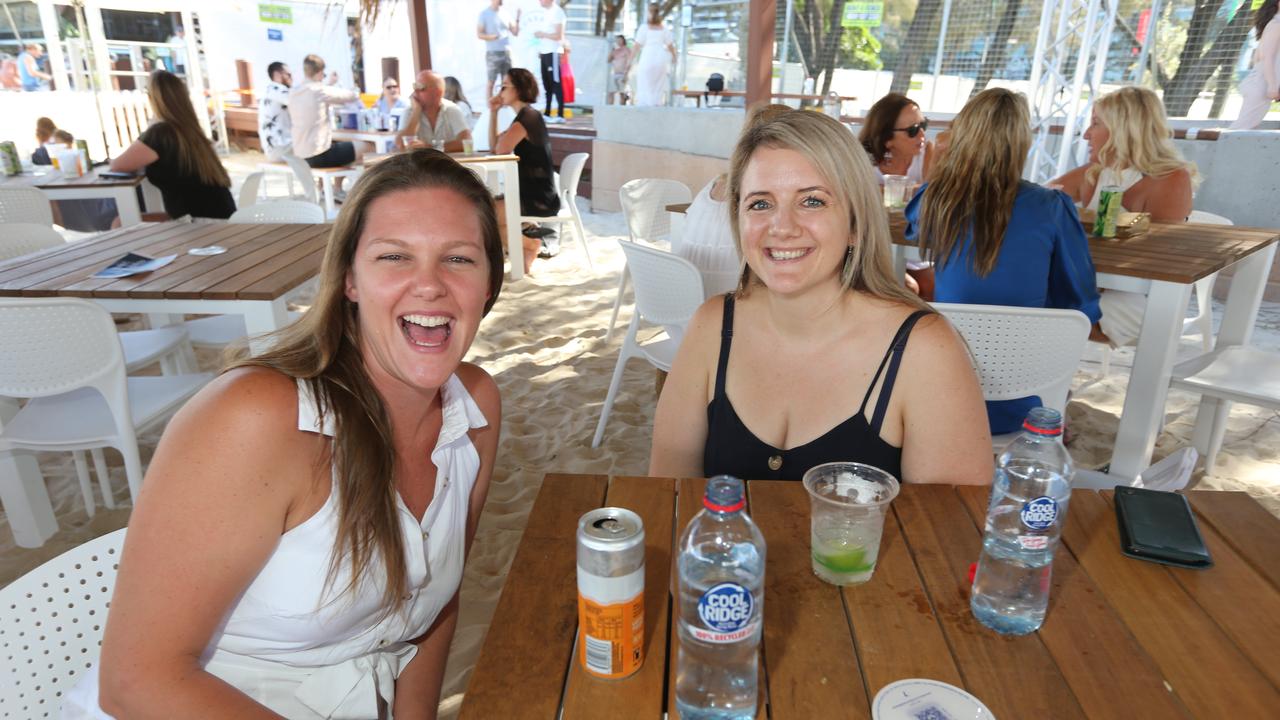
(279, 211)
(64, 354)
(1230, 374)
(1021, 351)
(25, 205)
(51, 628)
(24, 238)
(668, 292)
(250, 190)
(567, 189)
(644, 205)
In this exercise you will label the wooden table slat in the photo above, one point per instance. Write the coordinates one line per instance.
(813, 668)
(1088, 640)
(76, 259)
(252, 239)
(1246, 526)
(537, 611)
(641, 694)
(301, 251)
(285, 271)
(944, 541)
(1204, 668)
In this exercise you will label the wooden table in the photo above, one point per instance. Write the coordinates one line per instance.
(508, 167)
(1123, 638)
(261, 265)
(91, 186)
(383, 141)
(1163, 264)
(698, 94)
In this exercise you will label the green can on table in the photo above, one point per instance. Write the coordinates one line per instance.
(9, 161)
(1104, 225)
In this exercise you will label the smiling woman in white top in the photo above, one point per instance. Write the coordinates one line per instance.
(298, 546)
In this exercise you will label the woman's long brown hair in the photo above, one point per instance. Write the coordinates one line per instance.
(974, 184)
(323, 348)
(172, 104)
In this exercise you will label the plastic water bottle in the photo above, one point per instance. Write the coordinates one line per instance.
(721, 607)
(1028, 508)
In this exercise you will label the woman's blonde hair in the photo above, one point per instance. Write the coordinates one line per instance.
(323, 349)
(1139, 135)
(974, 184)
(839, 159)
(172, 104)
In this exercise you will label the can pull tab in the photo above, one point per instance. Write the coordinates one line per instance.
(609, 525)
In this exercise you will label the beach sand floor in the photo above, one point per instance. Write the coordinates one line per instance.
(544, 344)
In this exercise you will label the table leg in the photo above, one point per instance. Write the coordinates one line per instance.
(265, 316)
(329, 204)
(127, 205)
(1143, 413)
(1238, 318)
(23, 494)
(511, 191)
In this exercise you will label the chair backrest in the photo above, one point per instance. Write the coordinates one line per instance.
(1208, 218)
(644, 204)
(24, 238)
(1022, 351)
(250, 189)
(55, 345)
(279, 211)
(668, 287)
(302, 171)
(25, 205)
(51, 627)
(571, 174)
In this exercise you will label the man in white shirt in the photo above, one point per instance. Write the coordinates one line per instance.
(434, 121)
(273, 113)
(548, 22)
(309, 103)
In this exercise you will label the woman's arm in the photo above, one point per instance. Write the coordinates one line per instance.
(135, 157)
(506, 142)
(680, 422)
(409, 130)
(419, 685)
(945, 434)
(1168, 199)
(1073, 184)
(215, 501)
(1072, 277)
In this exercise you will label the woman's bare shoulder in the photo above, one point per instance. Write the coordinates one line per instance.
(482, 388)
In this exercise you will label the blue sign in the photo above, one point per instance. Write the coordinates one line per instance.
(274, 34)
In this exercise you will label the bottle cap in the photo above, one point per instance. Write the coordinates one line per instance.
(724, 494)
(1043, 421)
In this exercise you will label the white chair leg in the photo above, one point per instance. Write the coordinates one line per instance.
(617, 303)
(104, 479)
(1216, 435)
(623, 356)
(132, 467)
(582, 238)
(1106, 359)
(82, 474)
(1204, 308)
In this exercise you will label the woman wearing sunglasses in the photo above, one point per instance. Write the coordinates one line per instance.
(894, 136)
(391, 101)
(996, 239)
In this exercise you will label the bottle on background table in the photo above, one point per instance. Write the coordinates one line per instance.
(721, 607)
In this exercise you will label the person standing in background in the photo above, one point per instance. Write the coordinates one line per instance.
(179, 53)
(1262, 84)
(619, 66)
(33, 78)
(274, 127)
(495, 28)
(656, 50)
(548, 22)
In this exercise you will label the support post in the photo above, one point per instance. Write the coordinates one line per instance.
(761, 23)
(419, 37)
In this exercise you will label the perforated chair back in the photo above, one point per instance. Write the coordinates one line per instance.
(279, 211)
(250, 189)
(668, 288)
(55, 345)
(644, 204)
(17, 239)
(1022, 351)
(570, 175)
(51, 627)
(25, 205)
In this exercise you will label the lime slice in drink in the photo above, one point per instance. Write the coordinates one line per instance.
(843, 560)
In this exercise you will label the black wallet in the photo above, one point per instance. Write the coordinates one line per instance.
(1159, 526)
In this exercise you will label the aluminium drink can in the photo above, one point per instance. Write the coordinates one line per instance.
(83, 147)
(9, 161)
(1104, 225)
(611, 592)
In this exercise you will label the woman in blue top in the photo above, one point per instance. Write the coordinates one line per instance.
(996, 239)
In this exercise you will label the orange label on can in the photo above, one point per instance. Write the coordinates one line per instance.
(611, 637)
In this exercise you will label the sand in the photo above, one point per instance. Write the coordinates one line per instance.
(544, 344)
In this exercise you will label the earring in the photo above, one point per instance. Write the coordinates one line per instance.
(848, 260)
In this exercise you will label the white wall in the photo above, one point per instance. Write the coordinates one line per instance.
(232, 31)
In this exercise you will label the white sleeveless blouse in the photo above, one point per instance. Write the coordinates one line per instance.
(306, 649)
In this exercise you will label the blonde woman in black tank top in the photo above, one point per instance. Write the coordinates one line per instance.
(820, 355)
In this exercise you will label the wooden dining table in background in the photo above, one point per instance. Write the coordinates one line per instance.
(92, 186)
(1123, 638)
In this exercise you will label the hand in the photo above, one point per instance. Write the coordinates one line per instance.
(333, 78)
(495, 102)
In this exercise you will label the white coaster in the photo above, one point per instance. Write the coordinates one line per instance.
(919, 699)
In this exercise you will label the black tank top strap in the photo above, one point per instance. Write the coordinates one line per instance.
(726, 339)
(893, 358)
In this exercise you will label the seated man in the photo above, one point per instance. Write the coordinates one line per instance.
(309, 103)
(274, 127)
(434, 121)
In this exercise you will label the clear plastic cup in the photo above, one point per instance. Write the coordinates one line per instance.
(468, 146)
(848, 502)
(895, 190)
